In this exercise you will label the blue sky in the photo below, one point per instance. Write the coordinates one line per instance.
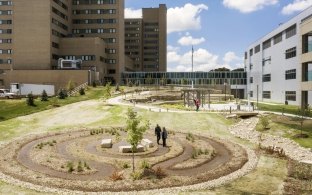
(219, 30)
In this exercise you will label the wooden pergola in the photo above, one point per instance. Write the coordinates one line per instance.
(197, 93)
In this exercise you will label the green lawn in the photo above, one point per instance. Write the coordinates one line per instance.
(290, 109)
(14, 108)
(289, 127)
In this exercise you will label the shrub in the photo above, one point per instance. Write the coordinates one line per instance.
(145, 165)
(79, 167)
(62, 94)
(82, 91)
(125, 165)
(160, 173)
(44, 96)
(190, 137)
(30, 100)
(93, 84)
(70, 85)
(86, 165)
(264, 121)
(136, 175)
(116, 176)
(70, 167)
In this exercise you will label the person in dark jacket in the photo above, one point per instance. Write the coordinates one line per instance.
(158, 133)
(164, 136)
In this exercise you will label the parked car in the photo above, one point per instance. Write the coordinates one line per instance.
(5, 93)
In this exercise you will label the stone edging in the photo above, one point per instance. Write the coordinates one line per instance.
(245, 129)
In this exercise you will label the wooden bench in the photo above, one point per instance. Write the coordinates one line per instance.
(106, 143)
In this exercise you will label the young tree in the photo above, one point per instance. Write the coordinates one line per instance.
(107, 90)
(82, 91)
(302, 114)
(44, 96)
(30, 100)
(135, 131)
(264, 121)
(62, 94)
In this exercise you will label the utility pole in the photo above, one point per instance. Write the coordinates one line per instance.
(192, 65)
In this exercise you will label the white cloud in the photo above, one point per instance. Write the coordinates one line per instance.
(203, 61)
(230, 57)
(133, 13)
(172, 48)
(247, 6)
(296, 6)
(184, 18)
(189, 40)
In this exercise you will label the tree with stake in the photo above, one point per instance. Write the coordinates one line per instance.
(135, 131)
(302, 114)
(107, 90)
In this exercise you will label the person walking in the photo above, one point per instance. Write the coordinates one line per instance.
(164, 136)
(158, 133)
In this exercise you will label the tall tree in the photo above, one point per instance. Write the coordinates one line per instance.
(136, 127)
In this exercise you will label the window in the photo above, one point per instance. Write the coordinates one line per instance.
(257, 48)
(5, 41)
(278, 38)
(110, 61)
(111, 71)
(55, 45)
(291, 31)
(290, 53)
(245, 55)
(290, 74)
(266, 78)
(251, 79)
(266, 44)
(250, 66)
(250, 52)
(250, 93)
(5, 2)
(290, 95)
(266, 94)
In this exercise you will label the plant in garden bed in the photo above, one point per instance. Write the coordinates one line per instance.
(116, 176)
(136, 175)
(160, 173)
(70, 166)
(190, 137)
(264, 121)
(44, 96)
(145, 165)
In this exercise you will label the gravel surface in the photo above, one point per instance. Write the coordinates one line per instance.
(245, 129)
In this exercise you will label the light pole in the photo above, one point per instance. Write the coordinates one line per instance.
(224, 90)
(89, 71)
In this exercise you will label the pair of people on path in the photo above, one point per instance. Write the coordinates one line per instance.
(161, 134)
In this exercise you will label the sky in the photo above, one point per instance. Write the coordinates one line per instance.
(219, 30)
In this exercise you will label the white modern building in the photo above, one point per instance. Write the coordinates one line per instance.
(279, 65)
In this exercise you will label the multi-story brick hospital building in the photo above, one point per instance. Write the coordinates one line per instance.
(35, 34)
(279, 65)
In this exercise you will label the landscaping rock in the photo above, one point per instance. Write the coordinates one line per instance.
(127, 149)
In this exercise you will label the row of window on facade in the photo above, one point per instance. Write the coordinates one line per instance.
(6, 3)
(289, 32)
(5, 61)
(88, 58)
(289, 95)
(94, 31)
(289, 74)
(289, 53)
(94, 11)
(93, 2)
(95, 21)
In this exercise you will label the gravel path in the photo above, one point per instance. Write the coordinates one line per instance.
(245, 129)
